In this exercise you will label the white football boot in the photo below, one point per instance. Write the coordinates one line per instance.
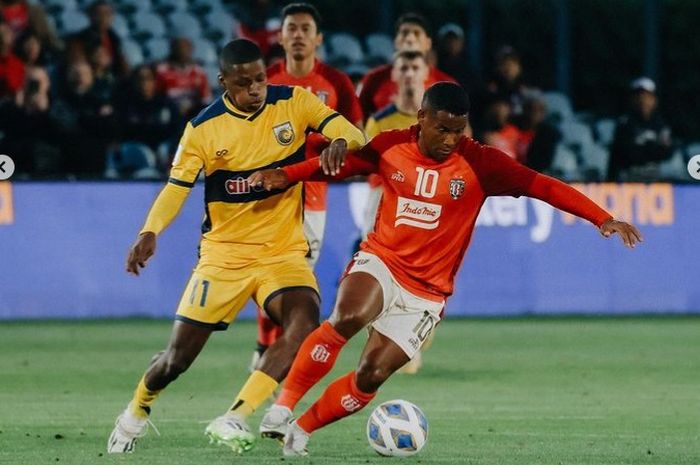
(127, 429)
(275, 422)
(295, 441)
(231, 430)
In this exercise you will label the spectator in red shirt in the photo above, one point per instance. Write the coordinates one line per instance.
(182, 79)
(23, 17)
(11, 67)
(377, 89)
(497, 130)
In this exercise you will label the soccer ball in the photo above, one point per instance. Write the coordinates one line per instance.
(397, 428)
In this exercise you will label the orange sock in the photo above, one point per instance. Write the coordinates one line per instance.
(268, 330)
(314, 360)
(340, 399)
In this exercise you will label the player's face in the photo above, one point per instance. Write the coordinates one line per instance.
(440, 132)
(409, 74)
(299, 36)
(413, 38)
(246, 85)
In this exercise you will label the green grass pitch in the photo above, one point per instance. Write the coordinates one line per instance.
(503, 391)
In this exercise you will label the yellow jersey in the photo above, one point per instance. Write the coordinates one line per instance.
(388, 118)
(244, 223)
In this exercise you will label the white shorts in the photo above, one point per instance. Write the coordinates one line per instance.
(405, 318)
(314, 226)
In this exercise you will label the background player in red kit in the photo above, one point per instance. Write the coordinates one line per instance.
(377, 88)
(300, 37)
(435, 182)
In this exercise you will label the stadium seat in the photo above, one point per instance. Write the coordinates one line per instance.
(605, 131)
(157, 49)
(692, 149)
(595, 162)
(170, 6)
(380, 47)
(322, 52)
(205, 52)
(128, 159)
(219, 26)
(148, 26)
(132, 52)
(184, 24)
(213, 78)
(345, 49)
(121, 26)
(565, 164)
(58, 6)
(203, 7)
(558, 106)
(72, 21)
(676, 167)
(575, 135)
(133, 7)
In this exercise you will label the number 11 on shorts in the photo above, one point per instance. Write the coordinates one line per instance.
(205, 289)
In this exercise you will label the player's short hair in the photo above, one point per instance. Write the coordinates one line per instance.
(410, 55)
(413, 18)
(302, 7)
(239, 51)
(446, 96)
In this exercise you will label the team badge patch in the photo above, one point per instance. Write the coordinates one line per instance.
(284, 133)
(457, 188)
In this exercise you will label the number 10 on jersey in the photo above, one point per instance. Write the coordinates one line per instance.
(426, 184)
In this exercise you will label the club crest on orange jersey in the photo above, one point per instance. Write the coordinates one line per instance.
(457, 188)
(284, 133)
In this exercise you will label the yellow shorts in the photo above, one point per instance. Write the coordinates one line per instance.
(214, 295)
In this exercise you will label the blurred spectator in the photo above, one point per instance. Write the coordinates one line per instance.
(30, 130)
(538, 137)
(104, 81)
(497, 130)
(99, 34)
(377, 89)
(259, 21)
(87, 123)
(505, 81)
(642, 138)
(25, 17)
(11, 67)
(452, 56)
(146, 115)
(28, 48)
(182, 79)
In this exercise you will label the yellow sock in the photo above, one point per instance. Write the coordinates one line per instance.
(254, 392)
(143, 398)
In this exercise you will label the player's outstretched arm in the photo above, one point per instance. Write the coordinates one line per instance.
(629, 234)
(140, 252)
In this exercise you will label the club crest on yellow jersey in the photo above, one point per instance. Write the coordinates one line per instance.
(284, 133)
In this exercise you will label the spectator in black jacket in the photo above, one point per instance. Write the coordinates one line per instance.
(642, 138)
(147, 115)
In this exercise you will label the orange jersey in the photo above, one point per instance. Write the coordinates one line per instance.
(429, 208)
(335, 89)
(378, 90)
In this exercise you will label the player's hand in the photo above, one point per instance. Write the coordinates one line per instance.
(333, 157)
(629, 234)
(140, 252)
(269, 179)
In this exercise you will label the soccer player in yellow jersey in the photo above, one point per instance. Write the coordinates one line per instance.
(252, 242)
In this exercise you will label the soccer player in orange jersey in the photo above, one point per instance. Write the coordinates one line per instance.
(377, 88)
(300, 37)
(435, 182)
